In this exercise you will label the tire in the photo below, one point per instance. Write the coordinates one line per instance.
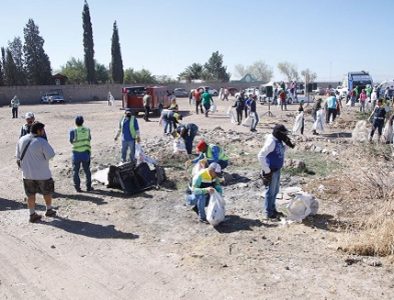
(159, 110)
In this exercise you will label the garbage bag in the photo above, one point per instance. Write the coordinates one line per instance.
(318, 125)
(202, 164)
(142, 157)
(212, 108)
(298, 122)
(387, 136)
(247, 122)
(360, 132)
(179, 146)
(301, 206)
(231, 114)
(216, 210)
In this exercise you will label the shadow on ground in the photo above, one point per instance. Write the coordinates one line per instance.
(325, 222)
(89, 229)
(234, 223)
(337, 135)
(6, 204)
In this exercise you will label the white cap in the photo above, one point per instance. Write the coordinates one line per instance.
(215, 167)
(29, 115)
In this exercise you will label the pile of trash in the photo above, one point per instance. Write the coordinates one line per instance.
(295, 204)
(132, 177)
(360, 132)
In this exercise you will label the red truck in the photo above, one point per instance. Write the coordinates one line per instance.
(132, 98)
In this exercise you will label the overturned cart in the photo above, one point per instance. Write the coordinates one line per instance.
(131, 178)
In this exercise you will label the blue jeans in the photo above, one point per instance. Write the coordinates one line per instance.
(125, 146)
(200, 201)
(189, 139)
(86, 168)
(255, 120)
(270, 194)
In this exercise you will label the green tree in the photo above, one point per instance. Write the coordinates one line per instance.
(194, 71)
(75, 71)
(16, 49)
(142, 76)
(116, 57)
(102, 73)
(10, 71)
(88, 45)
(289, 70)
(1, 74)
(214, 68)
(38, 66)
(165, 79)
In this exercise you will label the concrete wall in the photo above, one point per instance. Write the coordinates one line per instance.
(81, 93)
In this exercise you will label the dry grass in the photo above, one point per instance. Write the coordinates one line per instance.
(374, 234)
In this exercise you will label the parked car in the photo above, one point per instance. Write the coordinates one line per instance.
(210, 90)
(53, 96)
(232, 90)
(180, 92)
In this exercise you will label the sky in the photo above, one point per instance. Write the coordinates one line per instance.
(330, 37)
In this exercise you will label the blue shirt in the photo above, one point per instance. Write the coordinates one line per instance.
(81, 156)
(332, 102)
(126, 134)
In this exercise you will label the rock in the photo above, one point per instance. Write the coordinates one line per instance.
(324, 151)
(334, 153)
(53, 246)
(318, 149)
(352, 260)
(372, 261)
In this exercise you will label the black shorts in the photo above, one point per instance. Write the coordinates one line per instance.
(44, 187)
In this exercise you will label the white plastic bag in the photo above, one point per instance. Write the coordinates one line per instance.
(298, 122)
(142, 157)
(231, 114)
(179, 146)
(248, 121)
(301, 206)
(216, 210)
(387, 136)
(198, 167)
(318, 125)
(212, 108)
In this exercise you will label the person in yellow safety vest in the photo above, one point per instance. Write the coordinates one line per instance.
(212, 153)
(80, 139)
(129, 128)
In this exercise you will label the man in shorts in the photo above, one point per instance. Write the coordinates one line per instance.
(33, 153)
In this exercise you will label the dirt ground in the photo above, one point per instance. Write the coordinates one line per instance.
(105, 245)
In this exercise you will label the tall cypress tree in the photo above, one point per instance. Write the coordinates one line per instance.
(88, 45)
(1, 74)
(16, 50)
(11, 72)
(116, 57)
(3, 64)
(38, 66)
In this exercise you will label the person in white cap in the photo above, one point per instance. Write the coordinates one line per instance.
(26, 128)
(29, 117)
(204, 183)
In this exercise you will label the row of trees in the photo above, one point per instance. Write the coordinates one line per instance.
(29, 64)
(212, 70)
(262, 72)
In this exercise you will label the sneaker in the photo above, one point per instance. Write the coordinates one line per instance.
(34, 218)
(78, 189)
(50, 213)
(195, 209)
(89, 189)
(203, 220)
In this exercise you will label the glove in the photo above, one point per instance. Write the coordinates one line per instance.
(266, 177)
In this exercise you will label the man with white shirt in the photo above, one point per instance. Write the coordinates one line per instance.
(33, 153)
(271, 158)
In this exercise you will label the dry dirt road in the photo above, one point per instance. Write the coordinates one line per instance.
(104, 245)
